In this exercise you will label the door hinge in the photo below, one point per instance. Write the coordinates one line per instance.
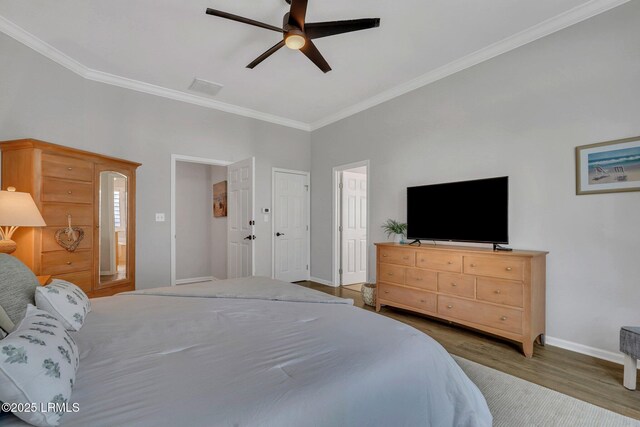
(307, 266)
(340, 272)
(340, 186)
(306, 187)
(252, 222)
(307, 228)
(340, 228)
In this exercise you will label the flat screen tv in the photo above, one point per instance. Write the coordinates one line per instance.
(466, 211)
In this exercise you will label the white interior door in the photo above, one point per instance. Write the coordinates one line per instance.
(291, 228)
(240, 218)
(354, 228)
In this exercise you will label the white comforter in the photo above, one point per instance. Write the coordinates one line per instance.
(206, 360)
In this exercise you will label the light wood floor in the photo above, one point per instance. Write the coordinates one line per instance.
(593, 380)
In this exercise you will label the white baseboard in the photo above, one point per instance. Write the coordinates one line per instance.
(195, 280)
(322, 281)
(585, 349)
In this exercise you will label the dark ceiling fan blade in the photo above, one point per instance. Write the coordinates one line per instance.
(298, 13)
(312, 52)
(317, 30)
(242, 19)
(267, 54)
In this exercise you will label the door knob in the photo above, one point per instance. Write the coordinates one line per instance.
(279, 234)
(250, 237)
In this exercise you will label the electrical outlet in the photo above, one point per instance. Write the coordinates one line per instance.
(159, 217)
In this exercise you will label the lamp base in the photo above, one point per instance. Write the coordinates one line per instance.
(7, 246)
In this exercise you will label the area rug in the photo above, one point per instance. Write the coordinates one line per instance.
(516, 402)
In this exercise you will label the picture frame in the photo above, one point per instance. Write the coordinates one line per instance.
(608, 167)
(220, 199)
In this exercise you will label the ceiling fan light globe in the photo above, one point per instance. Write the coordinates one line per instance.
(295, 41)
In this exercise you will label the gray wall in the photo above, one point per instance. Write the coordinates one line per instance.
(520, 114)
(193, 220)
(40, 99)
(218, 240)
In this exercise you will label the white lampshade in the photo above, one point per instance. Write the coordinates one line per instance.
(19, 209)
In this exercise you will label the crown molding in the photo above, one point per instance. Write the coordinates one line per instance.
(45, 49)
(557, 23)
(552, 25)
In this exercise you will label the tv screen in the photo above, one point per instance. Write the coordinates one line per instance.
(467, 211)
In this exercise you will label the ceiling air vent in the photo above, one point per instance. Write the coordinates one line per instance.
(204, 87)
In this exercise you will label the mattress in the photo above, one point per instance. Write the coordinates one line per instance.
(200, 356)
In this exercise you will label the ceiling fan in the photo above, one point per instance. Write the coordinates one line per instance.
(298, 35)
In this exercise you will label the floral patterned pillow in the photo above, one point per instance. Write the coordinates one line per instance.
(38, 364)
(66, 301)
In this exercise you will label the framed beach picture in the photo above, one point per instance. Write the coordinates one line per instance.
(220, 199)
(608, 167)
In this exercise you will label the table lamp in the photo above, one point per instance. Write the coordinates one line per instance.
(16, 210)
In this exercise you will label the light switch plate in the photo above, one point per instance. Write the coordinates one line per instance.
(159, 217)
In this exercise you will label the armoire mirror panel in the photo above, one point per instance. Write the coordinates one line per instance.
(113, 227)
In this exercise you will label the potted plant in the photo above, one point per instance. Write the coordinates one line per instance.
(398, 229)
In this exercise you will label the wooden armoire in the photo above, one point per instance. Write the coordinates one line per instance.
(77, 192)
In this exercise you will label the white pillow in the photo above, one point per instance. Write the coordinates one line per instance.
(38, 364)
(66, 301)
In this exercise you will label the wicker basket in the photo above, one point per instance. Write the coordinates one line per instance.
(369, 294)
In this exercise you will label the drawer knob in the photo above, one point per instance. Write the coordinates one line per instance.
(405, 257)
(390, 274)
(69, 168)
(449, 306)
(68, 262)
(421, 259)
(422, 300)
(449, 262)
(509, 269)
(497, 291)
(419, 279)
(386, 292)
(384, 255)
(472, 265)
(69, 192)
(454, 284)
(503, 318)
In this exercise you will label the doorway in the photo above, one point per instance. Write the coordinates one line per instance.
(206, 242)
(291, 225)
(351, 224)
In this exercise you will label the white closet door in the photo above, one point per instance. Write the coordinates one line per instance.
(354, 228)
(240, 219)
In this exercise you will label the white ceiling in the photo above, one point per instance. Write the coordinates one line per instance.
(169, 42)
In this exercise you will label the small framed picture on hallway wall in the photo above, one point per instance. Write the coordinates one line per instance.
(220, 199)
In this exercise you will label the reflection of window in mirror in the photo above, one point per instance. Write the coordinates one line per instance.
(113, 226)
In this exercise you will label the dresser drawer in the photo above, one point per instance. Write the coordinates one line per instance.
(398, 256)
(391, 273)
(421, 279)
(66, 167)
(55, 214)
(443, 261)
(506, 319)
(60, 262)
(58, 190)
(82, 279)
(49, 242)
(457, 284)
(503, 267)
(499, 291)
(420, 300)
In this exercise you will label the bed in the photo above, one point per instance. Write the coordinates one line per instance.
(259, 352)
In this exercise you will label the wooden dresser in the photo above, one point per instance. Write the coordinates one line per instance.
(65, 183)
(502, 293)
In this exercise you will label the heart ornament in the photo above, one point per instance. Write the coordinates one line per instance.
(69, 237)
